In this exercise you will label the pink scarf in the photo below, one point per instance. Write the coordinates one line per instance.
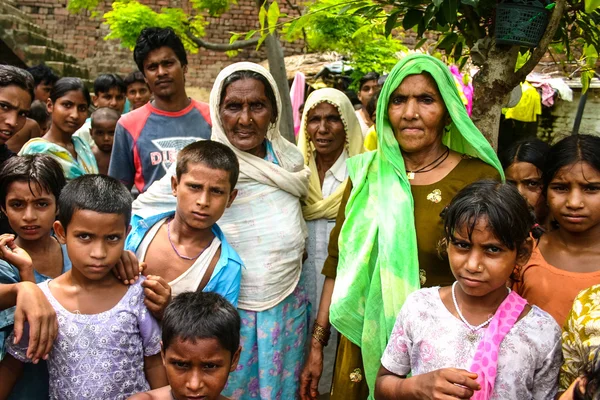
(485, 362)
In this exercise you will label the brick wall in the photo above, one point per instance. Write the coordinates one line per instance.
(84, 37)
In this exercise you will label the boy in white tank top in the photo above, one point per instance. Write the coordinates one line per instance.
(185, 246)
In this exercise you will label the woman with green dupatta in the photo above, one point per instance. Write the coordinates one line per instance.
(385, 242)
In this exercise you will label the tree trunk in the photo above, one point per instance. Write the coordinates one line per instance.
(492, 85)
(277, 69)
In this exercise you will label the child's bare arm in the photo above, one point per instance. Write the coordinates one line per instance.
(16, 256)
(33, 308)
(155, 371)
(446, 384)
(11, 370)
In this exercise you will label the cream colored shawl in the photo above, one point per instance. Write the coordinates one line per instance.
(316, 206)
(291, 175)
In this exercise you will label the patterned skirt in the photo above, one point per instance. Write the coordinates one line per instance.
(273, 347)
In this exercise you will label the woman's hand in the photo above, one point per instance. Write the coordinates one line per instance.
(311, 373)
(128, 269)
(33, 307)
(446, 384)
(15, 255)
(158, 295)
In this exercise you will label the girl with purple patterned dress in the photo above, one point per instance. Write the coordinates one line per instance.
(476, 339)
(108, 344)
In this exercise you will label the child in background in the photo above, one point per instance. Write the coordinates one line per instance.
(39, 113)
(186, 247)
(523, 163)
(44, 79)
(200, 333)
(68, 105)
(30, 130)
(138, 93)
(38, 123)
(29, 191)
(567, 258)
(109, 91)
(476, 339)
(108, 344)
(104, 122)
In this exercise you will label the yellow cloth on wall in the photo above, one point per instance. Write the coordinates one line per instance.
(528, 108)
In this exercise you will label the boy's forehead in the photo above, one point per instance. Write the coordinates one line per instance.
(94, 220)
(104, 122)
(199, 169)
(196, 347)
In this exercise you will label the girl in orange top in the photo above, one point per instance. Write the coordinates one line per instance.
(567, 258)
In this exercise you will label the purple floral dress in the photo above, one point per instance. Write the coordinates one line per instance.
(99, 356)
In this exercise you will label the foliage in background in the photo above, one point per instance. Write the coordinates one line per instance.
(128, 17)
(328, 25)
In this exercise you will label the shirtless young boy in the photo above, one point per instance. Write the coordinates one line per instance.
(200, 347)
(186, 247)
(104, 122)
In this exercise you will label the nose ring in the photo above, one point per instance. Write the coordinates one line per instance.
(417, 115)
(251, 120)
(479, 268)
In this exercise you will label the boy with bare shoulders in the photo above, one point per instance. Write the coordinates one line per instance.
(200, 347)
(186, 247)
(104, 123)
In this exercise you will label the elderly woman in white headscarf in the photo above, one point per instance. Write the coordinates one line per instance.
(329, 134)
(264, 225)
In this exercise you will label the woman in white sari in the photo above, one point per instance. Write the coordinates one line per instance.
(266, 228)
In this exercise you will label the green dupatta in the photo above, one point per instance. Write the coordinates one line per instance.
(378, 265)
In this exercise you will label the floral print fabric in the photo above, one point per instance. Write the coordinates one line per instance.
(581, 335)
(427, 337)
(273, 345)
(85, 163)
(99, 356)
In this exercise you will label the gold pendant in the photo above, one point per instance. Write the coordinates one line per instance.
(410, 175)
(435, 196)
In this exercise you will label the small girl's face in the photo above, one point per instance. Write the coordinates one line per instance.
(69, 112)
(481, 264)
(30, 210)
(528, 180)
(574, 197)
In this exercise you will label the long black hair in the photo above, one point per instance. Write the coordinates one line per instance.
(532, 151)
(65, 85)
(508, 214)
(568, 151)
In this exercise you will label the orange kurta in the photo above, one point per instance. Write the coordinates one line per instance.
(550, 288)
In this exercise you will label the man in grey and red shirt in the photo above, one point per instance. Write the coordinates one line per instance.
(148, 139)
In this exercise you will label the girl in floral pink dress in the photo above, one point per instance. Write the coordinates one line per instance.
(476, 339)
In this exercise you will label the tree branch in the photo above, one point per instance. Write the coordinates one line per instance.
(540, 50)
(240, 44)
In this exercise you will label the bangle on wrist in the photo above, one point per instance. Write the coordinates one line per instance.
(321, 334)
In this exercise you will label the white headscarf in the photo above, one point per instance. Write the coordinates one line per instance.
(264, 224)
(291, 175)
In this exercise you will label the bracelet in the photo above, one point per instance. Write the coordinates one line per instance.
(321, 334)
